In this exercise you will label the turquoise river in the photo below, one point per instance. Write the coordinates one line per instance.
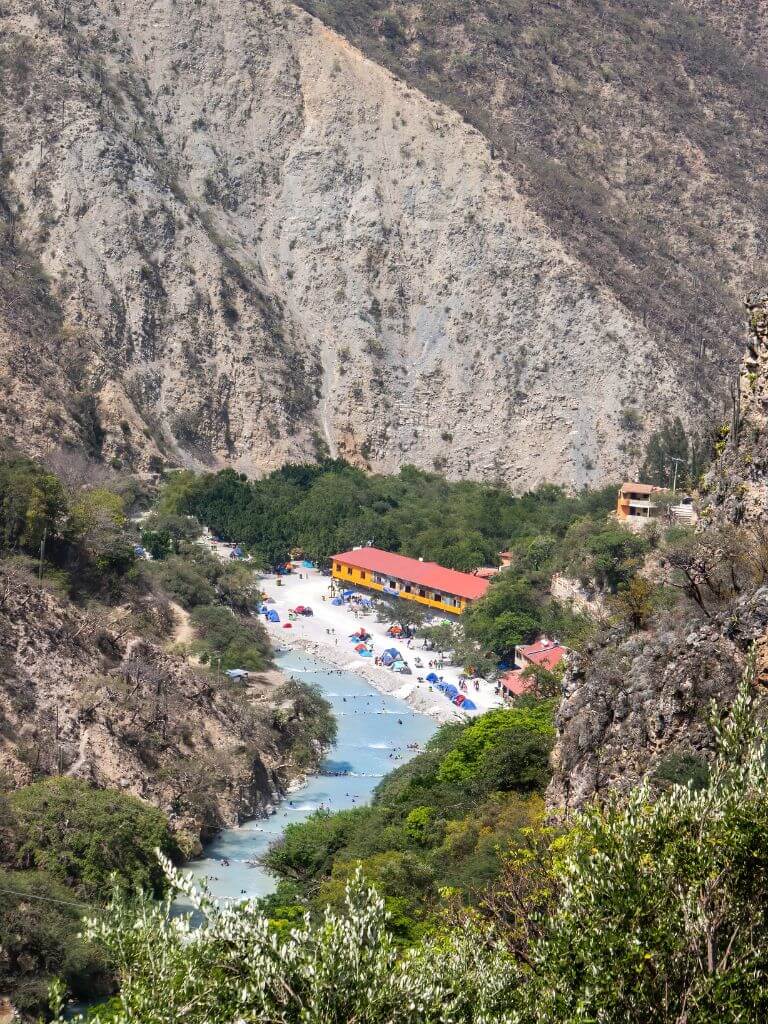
(374, 734)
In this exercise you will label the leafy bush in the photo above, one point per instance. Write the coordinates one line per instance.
(40, 924)
(187, 582)
(80, 836)
(234, 640)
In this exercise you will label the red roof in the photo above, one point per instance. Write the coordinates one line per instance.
(546, 653)
(486, 572)
(516, 683)
(412, 570)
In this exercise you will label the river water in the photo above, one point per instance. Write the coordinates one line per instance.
(373, 736)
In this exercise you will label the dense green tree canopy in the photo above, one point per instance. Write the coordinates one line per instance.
(81, 836)
(332, 506)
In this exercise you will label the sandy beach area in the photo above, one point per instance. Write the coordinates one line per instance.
(326, 635)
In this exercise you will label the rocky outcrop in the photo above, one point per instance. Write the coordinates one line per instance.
(79, 698)
(736, 484)
(259, 246)
(630, 702)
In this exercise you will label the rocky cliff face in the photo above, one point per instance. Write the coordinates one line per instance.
(79, 698)
(633, 699)
(255, 245)
(630, 702)
(736, 484)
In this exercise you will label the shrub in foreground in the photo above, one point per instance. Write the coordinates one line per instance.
(643, 911)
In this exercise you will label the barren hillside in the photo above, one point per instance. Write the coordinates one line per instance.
(82, 698)
(256, 245)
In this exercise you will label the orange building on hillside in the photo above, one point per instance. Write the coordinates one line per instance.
(428, 583)
(635, 501)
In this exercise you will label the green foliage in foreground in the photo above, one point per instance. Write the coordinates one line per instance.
(40, 924)
(442, 819)
(81, 836)
(643, 911)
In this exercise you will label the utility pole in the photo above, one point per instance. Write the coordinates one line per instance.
(676, 460)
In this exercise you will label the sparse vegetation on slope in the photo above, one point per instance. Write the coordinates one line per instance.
(634, 128)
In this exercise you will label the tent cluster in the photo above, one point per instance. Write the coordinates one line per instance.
(360, 640)
(452, 692)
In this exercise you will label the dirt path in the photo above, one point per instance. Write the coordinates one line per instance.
(184, 632)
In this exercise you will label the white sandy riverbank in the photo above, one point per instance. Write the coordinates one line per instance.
(326, 635)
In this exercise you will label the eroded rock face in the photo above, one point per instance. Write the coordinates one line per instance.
(631, 701)
(264, 246)
(736, 484)
(82, 699)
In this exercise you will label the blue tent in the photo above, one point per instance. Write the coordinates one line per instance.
(395, 654)
(337, 600)
(272, 615)
(366, 654)
(468, 705)
(347, 593)
(451, 690)
(433, 677)
(386, 659)
(441, 687)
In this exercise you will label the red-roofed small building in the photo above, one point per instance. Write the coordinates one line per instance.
(544, 653)
(411, 578)
(516, 684)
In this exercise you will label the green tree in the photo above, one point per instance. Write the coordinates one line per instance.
(40, 925)
(636, 601)
(32, 502)
(81, 836)
(504, 729)
(238, 641)
(665, 446)
(157, 542)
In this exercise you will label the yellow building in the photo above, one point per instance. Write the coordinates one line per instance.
(427, 583)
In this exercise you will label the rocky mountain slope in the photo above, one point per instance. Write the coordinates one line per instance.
(636, 698)
(632, 128)
(736, 483)
(254, 244)
(82, 698)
